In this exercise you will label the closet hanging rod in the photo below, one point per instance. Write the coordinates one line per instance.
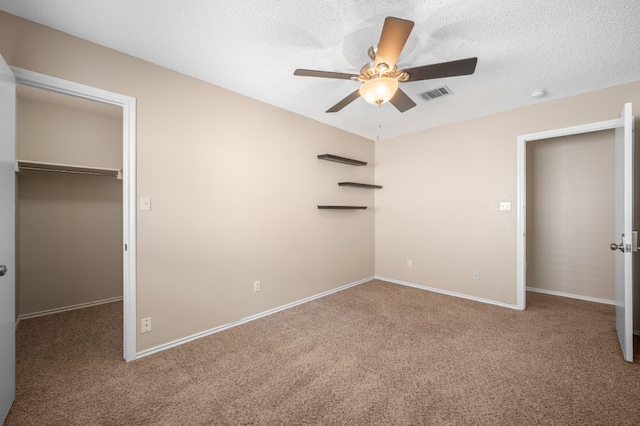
(67, 168)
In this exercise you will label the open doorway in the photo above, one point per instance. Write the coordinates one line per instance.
(570, 216)
(127, 173)
(624, 232)
(68, 208)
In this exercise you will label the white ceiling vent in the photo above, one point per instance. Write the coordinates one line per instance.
(436, 93)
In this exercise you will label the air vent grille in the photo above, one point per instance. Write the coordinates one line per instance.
(436, 93)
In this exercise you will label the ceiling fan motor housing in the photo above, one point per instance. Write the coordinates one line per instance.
(369, 72)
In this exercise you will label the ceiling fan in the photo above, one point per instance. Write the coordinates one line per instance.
(380, 77)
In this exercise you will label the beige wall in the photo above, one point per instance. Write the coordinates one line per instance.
(443, 187)
(570, 215)
(62, 134)
(70, 226)
(70, 240)
(234, 186)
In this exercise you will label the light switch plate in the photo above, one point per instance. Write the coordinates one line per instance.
(145, 203)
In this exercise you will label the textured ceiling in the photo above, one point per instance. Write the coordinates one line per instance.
(253, 46)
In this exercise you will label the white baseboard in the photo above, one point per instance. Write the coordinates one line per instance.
(223, 327)
(67, 308)
(571, 296)
(448, 293)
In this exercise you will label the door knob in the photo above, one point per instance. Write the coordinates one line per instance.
(3, 270)
(615, 247)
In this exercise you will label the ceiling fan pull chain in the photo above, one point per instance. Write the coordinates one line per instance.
(379, 121)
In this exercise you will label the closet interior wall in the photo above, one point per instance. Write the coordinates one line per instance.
(570, 215)
(69, 226)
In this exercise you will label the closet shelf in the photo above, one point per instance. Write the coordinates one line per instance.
(343, 160)
(67, 168)
(343, 207)
(359, 185)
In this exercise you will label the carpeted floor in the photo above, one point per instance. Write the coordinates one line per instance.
(378, 353)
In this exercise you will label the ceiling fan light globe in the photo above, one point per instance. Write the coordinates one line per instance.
(379, 90)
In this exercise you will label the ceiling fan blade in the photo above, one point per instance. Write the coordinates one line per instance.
(346, 101)
(443, 69)
(324, 74)
(395, 33)
(402, 101)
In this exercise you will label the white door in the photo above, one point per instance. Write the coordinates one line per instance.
(623, 231)
(7, 238)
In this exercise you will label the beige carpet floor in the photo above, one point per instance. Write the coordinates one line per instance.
(378, 353)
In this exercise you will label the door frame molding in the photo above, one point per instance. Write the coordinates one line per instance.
(128, 104)
(521, 250)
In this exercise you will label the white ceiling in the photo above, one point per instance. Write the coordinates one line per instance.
(252, 47)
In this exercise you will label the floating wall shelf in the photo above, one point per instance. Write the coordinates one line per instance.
(67, 168)
(359, 185)
(343, 160)
(343, 207)
(351, 162)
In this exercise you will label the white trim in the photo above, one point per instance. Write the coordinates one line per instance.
(521, 244)
(573, 130)
(571, 296)
(218, 329)
(68, 308)
(448, 293)
(128, 105)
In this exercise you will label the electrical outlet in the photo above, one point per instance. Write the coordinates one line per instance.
(145, 325)
(409, 263)
(476, 275)
(256, 286)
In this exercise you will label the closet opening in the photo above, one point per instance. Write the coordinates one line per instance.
(76, 205)
(68, 209)
(571, 216)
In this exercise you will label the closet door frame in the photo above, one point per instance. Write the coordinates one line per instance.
(128, 104)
